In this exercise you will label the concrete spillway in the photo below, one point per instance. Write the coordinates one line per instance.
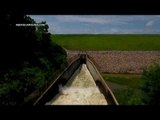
(81, 89)
(79, 84)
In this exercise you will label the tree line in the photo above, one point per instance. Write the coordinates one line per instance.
(28, 58)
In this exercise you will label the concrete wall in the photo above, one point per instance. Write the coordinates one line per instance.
(101, 83)
(53, 89)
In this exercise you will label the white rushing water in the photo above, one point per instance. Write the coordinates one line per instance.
(80, 90)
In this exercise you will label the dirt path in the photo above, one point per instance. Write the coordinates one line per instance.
(114, 86)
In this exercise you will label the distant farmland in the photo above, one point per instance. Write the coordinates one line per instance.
(108, 42)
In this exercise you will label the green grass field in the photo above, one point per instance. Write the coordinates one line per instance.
(108, 42)
(132, 95)
(133, 82)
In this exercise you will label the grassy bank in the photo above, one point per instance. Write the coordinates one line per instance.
(130, 81)
(132, 95)
(108, 42)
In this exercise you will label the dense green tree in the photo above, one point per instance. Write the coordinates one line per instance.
(152, 85)
(28, 58)
(17, 42)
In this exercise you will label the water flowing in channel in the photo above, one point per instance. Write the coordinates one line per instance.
(80, 90)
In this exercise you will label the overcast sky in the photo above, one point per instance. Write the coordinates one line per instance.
(101, 24)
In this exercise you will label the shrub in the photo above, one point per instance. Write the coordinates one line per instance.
(152, 85)
(129, 96)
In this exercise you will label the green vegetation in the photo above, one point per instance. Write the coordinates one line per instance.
(133, 82)
(108, 42)
(129, 96)
(140, 91)
(132, 95)
(152, 85)
(29, 59)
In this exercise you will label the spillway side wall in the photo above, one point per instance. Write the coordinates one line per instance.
(53, 89)
(101, 83)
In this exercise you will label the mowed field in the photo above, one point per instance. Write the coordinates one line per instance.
(108, 42)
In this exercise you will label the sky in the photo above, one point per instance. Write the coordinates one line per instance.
(101, 24)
